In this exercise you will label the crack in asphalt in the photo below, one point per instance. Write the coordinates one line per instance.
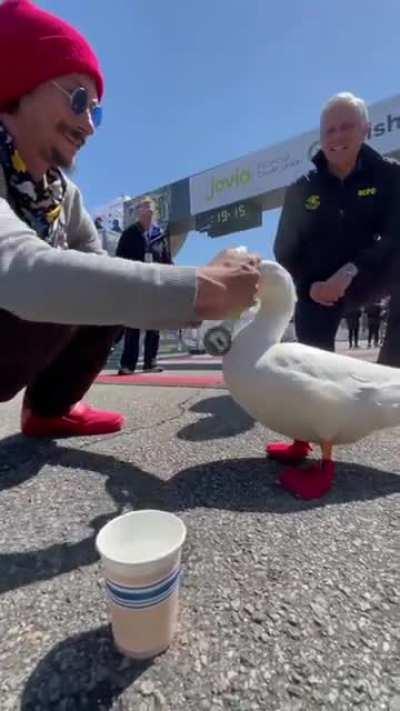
(182, 407)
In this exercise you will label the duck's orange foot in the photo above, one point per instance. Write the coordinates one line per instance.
(311, 483)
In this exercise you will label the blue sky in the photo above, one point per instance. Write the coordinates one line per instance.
(194, 83)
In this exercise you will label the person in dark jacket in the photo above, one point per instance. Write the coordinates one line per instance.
(374, 317)
(339, 237)
(352, 317)
(144, 241)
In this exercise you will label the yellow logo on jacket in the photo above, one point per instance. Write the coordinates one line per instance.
(365, 192)
(18, 164)
(313, 202)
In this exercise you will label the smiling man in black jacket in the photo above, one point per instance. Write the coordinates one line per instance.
(339, 236)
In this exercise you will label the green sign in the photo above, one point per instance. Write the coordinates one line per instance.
(239, 216)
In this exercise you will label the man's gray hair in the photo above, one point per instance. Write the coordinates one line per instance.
(346, 97)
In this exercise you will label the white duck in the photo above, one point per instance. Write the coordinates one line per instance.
(302, 392)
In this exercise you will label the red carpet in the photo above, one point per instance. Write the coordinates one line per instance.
(212, 380)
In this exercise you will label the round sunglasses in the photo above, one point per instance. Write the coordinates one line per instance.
(80, 102)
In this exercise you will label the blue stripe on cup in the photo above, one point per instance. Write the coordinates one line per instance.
(139, 598)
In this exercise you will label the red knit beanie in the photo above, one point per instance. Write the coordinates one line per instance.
(36, 47)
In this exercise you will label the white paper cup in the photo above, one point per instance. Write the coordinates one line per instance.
(141, 555)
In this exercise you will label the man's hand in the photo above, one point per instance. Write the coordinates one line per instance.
(227, 289)
(321, 293)
(328, 292)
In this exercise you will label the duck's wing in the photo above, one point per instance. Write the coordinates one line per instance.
(369, 390)
(341, 370)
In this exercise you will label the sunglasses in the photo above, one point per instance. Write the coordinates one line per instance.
(80, 102)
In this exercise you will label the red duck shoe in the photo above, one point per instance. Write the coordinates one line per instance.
(311, 483)
(288, 453)
(81, 421)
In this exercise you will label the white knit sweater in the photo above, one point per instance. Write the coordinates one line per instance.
(82, 285)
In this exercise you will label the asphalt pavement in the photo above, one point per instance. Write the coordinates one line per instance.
(286, 605)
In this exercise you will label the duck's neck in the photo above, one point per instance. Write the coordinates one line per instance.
(272, 325)
(258, 336)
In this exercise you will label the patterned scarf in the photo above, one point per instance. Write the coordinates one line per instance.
(38, 204)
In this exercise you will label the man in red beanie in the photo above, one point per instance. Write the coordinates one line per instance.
(62, 299)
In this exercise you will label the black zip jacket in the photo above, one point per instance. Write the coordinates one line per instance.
(327, 222)
(133, 245)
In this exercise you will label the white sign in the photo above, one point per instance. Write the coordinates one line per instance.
(112, 214)
(278, 166)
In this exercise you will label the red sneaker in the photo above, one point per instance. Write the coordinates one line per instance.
(288, 453)
(81, 421)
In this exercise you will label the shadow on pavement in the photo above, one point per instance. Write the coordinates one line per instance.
(251, 485)
(134, 488)
(82, 672)
(226, 419)
(234, 485)
(22, 458)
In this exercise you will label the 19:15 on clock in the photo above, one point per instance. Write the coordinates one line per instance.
(238, 216)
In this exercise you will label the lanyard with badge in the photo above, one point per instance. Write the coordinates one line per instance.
(148, 254)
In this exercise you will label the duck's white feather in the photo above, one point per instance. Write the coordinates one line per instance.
(303, 392)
